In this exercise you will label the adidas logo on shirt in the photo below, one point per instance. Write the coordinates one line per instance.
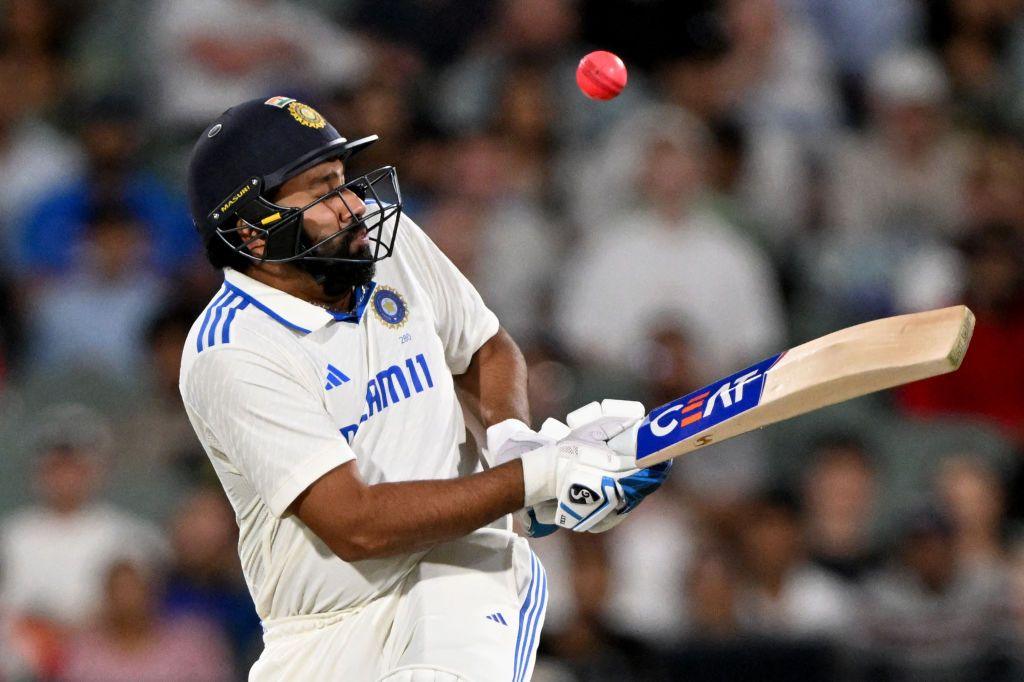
(497, 618)
(335, 377)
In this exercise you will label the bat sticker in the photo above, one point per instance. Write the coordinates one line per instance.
(704, 408)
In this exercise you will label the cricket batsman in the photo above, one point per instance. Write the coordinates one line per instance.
(321, 380)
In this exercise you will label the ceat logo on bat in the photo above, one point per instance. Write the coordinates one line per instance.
(705, 407)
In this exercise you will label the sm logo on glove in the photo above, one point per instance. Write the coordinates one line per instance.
(581, 494)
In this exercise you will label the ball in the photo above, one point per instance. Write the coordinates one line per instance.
(601, 75)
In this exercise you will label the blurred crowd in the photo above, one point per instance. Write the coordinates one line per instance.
(775, 170)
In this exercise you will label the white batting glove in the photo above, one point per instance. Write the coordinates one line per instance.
(592, 498)
(615, 421)
(595, 422)
(509, 440)
(544, 460)
(617, 424)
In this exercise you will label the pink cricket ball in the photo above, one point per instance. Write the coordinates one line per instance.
(601, 75)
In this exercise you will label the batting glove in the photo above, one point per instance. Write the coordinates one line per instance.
(547, 465)
(511, 439)
(599, 423)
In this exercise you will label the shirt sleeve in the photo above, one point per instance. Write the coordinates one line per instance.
(274, 429)
(462, 320)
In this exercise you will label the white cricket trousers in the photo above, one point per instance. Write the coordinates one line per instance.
(471, 610)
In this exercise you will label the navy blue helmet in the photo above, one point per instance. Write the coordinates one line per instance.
(255, 147)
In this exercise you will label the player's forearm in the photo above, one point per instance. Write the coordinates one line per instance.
(496, 381)
(394, 518)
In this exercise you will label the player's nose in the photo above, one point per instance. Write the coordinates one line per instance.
(347, 205)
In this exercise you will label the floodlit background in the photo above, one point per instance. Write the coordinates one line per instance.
(775, 169)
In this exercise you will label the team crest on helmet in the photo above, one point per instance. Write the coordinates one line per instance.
(390, 307)
(306, 115)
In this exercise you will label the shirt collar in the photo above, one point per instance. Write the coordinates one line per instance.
(290, 311)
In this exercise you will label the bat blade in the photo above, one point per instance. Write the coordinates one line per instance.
(842, 365)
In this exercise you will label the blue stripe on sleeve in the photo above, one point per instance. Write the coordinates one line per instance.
(211, 335)
(225, 336)
(206, 318)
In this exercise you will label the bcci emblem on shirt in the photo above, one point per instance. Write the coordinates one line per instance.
(390, 307)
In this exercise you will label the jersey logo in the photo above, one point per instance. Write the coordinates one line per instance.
(391, 386)
(497, 618)
(390, 307)
(335, 377)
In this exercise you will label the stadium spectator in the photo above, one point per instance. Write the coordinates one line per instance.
(670, 368)
(994, 192)
(39, 32)
(112, 135)
(931, 615)
(640, 602)
(976, 41)
(501, 239)
(787, 100)
(397, 27)
(973, 497)
(34, 156)
(545, 32)
(132, 642)
(712, 595)
(857, 33)
(158, 432)
(23, 656)
(660, 251)
(906, 172)
(987, 385)
(54, 553)
(591, 647)
(896, 190)
(553, 380)
(207, 55)
(839, 498)
(105, 285)
(782, 594)
(205, 579)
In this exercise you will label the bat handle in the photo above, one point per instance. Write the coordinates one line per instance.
(625, 442)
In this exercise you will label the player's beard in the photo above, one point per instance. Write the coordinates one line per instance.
(337, 278)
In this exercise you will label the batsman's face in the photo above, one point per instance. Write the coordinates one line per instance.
(331, 215)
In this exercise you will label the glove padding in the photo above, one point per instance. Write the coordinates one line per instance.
(545, 463)
(595, 487)
(602, 422)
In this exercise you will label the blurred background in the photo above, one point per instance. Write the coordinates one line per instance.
(775, 169)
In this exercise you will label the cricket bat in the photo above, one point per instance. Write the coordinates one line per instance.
(842, 365)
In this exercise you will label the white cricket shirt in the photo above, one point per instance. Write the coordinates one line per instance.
(281, 391)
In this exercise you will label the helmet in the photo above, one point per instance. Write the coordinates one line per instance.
(255, 147)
